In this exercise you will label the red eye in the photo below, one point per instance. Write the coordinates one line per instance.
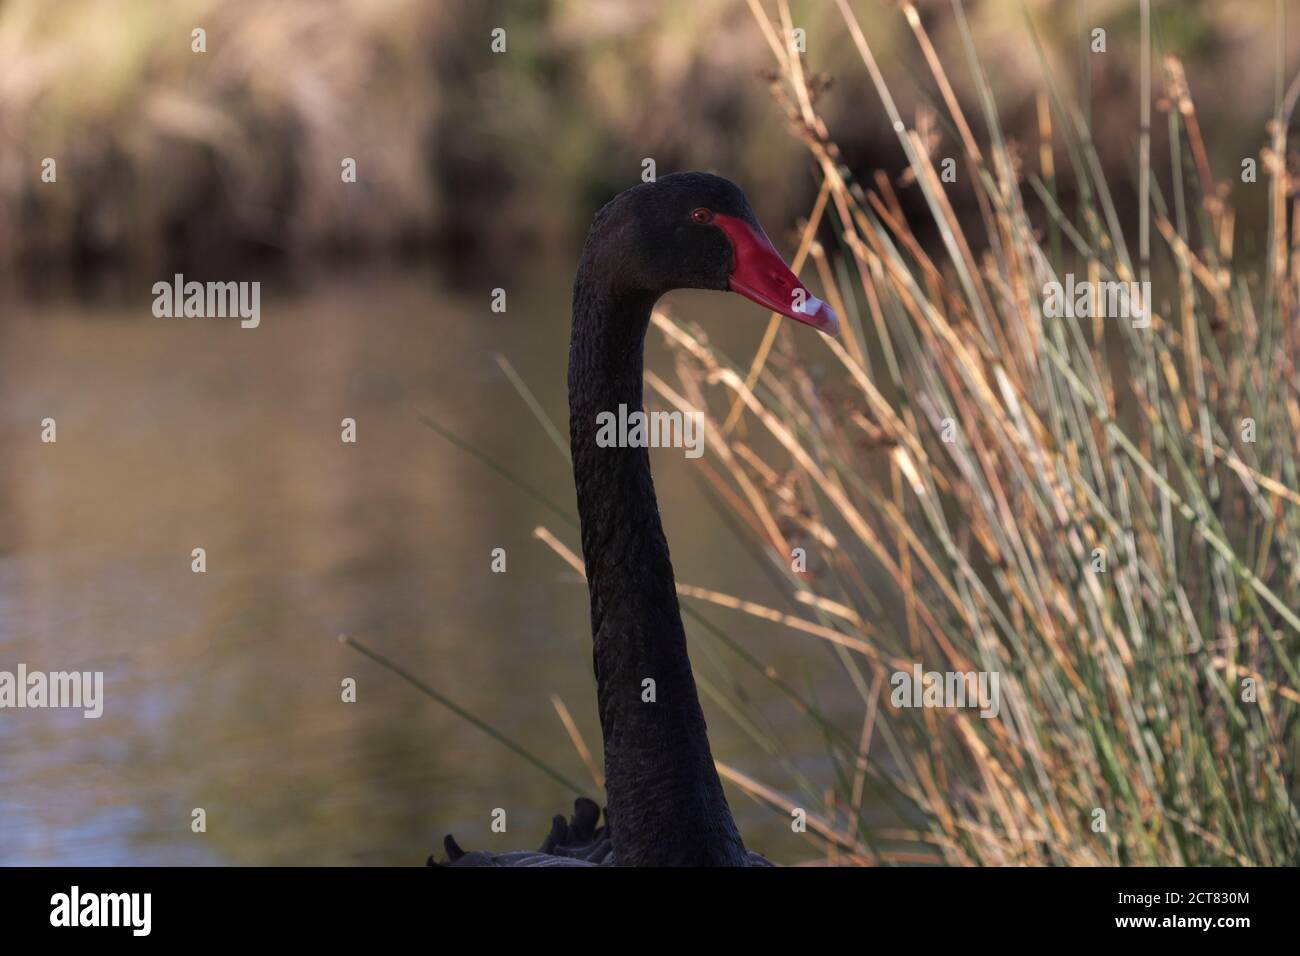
(701, 215)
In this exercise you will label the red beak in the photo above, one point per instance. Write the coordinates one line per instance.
(759, 274)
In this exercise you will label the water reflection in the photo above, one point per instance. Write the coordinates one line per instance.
(223, 689)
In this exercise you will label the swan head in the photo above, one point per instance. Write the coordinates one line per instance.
(698, 231)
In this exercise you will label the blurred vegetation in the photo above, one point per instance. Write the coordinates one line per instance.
(170, 157)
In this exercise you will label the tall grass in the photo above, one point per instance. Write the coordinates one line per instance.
(1100, 531)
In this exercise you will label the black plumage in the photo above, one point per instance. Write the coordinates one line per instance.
(666, 803)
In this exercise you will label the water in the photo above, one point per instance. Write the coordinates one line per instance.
(223, 690)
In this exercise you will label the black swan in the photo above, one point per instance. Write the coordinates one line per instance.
(666, 805)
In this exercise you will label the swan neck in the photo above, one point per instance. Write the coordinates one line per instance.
(665, 801)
